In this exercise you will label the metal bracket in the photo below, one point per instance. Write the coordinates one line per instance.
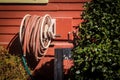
(67, 53)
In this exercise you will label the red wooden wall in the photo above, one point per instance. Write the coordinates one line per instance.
(67, 13)
(11, 15)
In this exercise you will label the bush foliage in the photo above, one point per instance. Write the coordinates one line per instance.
(97, 51)
(11, 67)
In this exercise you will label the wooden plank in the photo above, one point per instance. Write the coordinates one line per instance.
(6, 38)
(69, 0)
(9, 30)
(71, 6)
(24, 1)
(64, 25)
(43, 61)
(44, 69)
(59, 44)
(20, 14)
(15, 22)
(28, 7)
(4, 44)
(76, 22)
(67, 27)
(50, 7)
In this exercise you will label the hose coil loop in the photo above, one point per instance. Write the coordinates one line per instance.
(36, 34)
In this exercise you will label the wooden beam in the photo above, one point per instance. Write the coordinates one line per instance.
(24, 1)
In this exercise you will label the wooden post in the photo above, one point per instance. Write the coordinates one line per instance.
(60, 55)
(58, 64)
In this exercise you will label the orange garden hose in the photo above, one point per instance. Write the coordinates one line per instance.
(36, 34)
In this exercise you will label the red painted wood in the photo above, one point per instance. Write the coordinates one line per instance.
(11, 15)
(71, 7)
(63, 26)
(9, 30)
(20, 14)
(16, 22)
(59, 44)
(45, 69)
(28, 7)
(76, 22)
(47, 7)
(6, 38)
(66, 12)
(8, 23)
(43, 61)
(67, 64)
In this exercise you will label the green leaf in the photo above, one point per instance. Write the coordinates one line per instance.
(93, 69)
(98, 53)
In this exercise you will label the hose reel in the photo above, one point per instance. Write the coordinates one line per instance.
(36, 34)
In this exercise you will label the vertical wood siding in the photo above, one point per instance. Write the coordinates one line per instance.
(12, 14)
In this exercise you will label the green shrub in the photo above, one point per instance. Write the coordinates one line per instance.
(11, 67)
(97, 51)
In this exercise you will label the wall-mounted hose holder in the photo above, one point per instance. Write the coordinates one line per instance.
(36, 34)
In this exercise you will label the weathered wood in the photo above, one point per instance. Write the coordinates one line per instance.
(49, 7)
(24, 1)
(11, 15)
(10, 30)
(20, 14)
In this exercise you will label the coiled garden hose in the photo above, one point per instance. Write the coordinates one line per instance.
(35, 36)
(25, 66)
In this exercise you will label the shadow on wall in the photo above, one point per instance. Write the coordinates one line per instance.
(46, 71)
(15, 48)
